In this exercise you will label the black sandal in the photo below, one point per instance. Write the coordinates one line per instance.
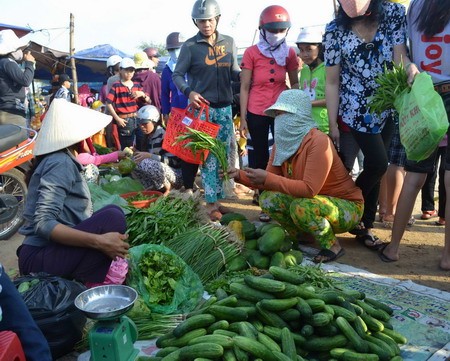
(328, 255)
(370, 241)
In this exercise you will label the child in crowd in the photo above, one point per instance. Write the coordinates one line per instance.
(312, 75)
(123, 102)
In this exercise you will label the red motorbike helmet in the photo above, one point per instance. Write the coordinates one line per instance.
(274, 17)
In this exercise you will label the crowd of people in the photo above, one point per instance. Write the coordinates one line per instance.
(314, 100)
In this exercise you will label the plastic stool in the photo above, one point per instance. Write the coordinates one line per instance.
(10, 347)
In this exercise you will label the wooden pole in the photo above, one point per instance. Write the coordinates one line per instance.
(72, 61)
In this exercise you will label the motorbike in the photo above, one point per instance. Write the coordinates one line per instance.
(16, 151)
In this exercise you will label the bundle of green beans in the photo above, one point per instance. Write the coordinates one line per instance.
(206, 249)
(200, 141)
(391, 84)
(165, 218)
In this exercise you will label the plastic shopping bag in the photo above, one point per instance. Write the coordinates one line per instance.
(423, 119)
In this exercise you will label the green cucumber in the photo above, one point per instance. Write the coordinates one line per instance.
(380, 305)
(254, 347)
(356, 341)
(372, 323)
(207, 349)
(359, 356)
(218, 325)
(183, 340)
(249, 293)
(288, 344)
(232, 314)
(326, 343)
(264, 284)
(268, 342)
(195, 322)
(396, 336)
(343, 312)
(278, 304)
(224, 341)
(285, 275)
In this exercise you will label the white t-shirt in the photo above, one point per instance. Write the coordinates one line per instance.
(430, 55)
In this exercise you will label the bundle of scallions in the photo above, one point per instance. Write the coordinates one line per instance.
(200, 141)
(391, 84)
(206, 249)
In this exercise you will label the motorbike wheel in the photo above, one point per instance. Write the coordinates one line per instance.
(12, 183)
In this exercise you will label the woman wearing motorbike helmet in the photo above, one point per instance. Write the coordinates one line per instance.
(209, 60)
(264, 67)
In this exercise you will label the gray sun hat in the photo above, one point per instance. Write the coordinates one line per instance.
(293, 101)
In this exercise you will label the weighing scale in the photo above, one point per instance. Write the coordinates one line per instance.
(113, 335)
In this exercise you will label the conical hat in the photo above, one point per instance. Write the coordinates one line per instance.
(355, 8)
(66, 124)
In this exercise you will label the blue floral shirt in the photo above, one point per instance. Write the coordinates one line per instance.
(361, 62)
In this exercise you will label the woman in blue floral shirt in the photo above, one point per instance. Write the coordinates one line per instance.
(366, 37)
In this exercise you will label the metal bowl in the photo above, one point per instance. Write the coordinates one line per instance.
(106, 302)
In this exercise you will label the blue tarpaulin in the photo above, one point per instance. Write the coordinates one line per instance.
(91, 63)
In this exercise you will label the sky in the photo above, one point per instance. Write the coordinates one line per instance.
(126, 26)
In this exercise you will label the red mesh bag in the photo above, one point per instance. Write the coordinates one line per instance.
(179, 120)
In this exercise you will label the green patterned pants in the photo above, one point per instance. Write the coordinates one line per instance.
(321, 216)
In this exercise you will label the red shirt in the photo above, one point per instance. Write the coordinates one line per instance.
(268, 78)
(120, 97)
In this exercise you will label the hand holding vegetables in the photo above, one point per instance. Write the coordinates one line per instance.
(256, 176)
(112, 244)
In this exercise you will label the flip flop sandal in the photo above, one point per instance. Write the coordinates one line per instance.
(215, 215)
(327, 255)
(428, 214)
(411, 221)
(440, 222)
(382, 256)
(359, 230)
(370, 241)
(264, 217)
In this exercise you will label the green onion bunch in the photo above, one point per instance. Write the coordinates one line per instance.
(200, 141)
(391, 84)
(206, 249)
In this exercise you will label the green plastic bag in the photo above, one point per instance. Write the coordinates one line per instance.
(187, 289)
(423, 119)
(101, 198)
(123, 185)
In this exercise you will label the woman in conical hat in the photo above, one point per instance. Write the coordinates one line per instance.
(62, 235)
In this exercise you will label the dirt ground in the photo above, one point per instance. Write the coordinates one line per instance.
(420, 250)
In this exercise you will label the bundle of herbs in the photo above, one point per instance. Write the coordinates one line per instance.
(391, 84)
(165, 218)
(206, 249)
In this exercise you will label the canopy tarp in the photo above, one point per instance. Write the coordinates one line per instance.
(48, 61)
(19, 30)
(91, 63)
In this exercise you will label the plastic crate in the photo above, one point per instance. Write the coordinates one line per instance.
(179, 120)
(10, 347)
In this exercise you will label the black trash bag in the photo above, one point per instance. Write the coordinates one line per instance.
(50, 300)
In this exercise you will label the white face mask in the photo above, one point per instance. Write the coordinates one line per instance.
(275, 39)
(17, 55)
(174, 53)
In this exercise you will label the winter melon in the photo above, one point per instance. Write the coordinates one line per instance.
(271, 241)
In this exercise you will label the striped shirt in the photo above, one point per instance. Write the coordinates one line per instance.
(154, 146)
(120, 96)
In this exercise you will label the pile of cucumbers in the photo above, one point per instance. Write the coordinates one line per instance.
(276, 317)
